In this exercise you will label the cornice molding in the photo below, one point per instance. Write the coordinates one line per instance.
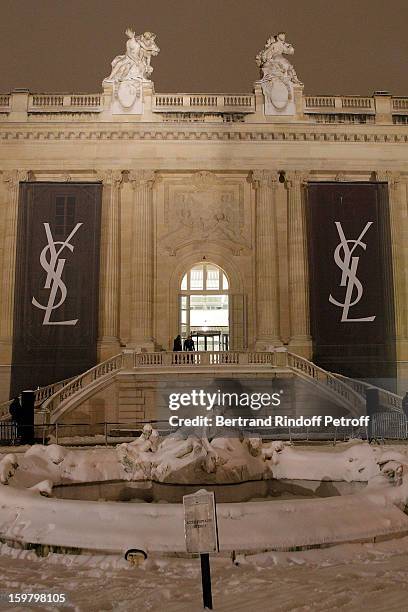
(265, 133)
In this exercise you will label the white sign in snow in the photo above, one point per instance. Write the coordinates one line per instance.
(200, 526)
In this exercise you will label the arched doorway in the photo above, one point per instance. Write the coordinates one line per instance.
(204, 307)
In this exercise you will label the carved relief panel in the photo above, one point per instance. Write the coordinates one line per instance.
(203, 208)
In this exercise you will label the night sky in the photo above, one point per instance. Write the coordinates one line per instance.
(341, 46)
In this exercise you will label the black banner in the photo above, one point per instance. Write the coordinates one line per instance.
(351, 286)
(57, 280)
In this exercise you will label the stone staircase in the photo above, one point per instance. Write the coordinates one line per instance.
(138, 377)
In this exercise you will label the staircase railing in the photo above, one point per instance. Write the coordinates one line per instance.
(40, 395)
(355, 400)
(387, 399)
(113, 364)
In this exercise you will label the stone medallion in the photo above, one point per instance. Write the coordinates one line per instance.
(128, 91)
(279, 94)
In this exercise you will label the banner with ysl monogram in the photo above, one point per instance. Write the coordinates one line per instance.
(57, 280)
(351, 286)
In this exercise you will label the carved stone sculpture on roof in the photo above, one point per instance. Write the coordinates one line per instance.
(130, 71)
(278, 76)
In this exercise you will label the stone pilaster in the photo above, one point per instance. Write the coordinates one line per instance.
(109, 286)
(300, 340)
(9, 193)
(267, 268)
(399, 253)
(142, 260)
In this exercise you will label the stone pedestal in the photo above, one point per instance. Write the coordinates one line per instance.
(109, 287)
(300, 340)
(141, 328)
(267, 270)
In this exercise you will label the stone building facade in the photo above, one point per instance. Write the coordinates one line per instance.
(192, 178)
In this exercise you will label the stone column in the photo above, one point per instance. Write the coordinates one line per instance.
(300, 340)
(267, 268)
(109, 286)
(9, 193)
(142, 260)
(399, 254)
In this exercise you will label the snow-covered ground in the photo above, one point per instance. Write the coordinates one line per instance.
(352, 578)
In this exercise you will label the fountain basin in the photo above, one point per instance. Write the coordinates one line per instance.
(159, 492)
(269, 496)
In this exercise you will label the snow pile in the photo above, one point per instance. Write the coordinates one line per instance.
(43, 488)
(391, 484)
(8, 466)
(61, 465)
(356, 463)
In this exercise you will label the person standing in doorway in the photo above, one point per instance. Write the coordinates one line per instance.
(177, 346)
(189, 343)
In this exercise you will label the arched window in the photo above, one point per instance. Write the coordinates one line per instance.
(204, 307)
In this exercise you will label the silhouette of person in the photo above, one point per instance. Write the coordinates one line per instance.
(177, 346)
(189, 343)
(16, 413)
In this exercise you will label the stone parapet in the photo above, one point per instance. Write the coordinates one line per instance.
(381, 108)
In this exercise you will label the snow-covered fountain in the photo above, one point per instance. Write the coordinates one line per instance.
(270, 495)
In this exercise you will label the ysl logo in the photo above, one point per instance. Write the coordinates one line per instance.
(54, 267)
(348, 264)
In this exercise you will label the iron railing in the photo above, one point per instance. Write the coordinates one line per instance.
(383, 426)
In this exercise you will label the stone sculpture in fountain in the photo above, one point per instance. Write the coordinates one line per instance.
(278, 76)
(195, 458)
(130, 71)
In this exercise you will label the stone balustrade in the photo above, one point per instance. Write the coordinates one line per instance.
(390, 401)
(354, 400)
(338, 104)
(209, 358)
(64, 103)
(5, 101)
(21, 105)
(211, 102)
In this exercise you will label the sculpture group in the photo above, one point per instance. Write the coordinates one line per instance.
(278, 74)
(131, 70)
